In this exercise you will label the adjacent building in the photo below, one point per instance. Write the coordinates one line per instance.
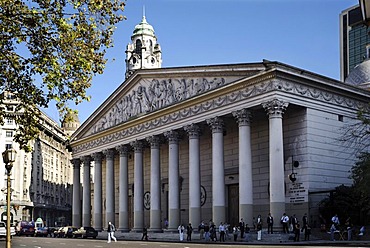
(354, 40)
(213, 142)
(42, 179)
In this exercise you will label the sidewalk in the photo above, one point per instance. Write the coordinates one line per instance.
(276, 238)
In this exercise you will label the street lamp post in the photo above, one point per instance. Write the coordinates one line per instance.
(8, 158)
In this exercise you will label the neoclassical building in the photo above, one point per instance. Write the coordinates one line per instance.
(219, 142)
(41, 180)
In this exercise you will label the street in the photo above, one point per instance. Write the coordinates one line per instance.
(38, 242)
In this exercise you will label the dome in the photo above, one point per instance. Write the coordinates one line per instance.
(70, 122)
(144, 28)
(360, 75)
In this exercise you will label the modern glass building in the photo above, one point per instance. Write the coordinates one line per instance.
(354, 40)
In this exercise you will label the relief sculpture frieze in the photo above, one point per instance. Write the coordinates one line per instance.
(154, 94)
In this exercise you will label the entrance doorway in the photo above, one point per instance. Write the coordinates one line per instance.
(233, 203)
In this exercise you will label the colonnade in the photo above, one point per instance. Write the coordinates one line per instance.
(275, 110)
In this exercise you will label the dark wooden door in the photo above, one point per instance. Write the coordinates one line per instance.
(233, 204)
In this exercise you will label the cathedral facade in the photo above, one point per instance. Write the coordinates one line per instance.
(214, 142)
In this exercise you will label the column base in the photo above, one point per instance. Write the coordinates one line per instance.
(246, 212)
(123, 230)
(277, 209)
(219, 213)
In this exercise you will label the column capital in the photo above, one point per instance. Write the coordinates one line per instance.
(138, 145)
(122, 149)
(193, 130)
(76, 162)
(275, 107)
(216, 124)
(154, 141)
(87, 159)
(243, 117)
(109, 153)
(97, 156)
(172, 136)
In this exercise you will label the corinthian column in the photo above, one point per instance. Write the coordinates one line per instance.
(109, 181)
(173, 181)
(86, 197)
(245, 166)
(76, 207)
(218, 170)
(98, 213)
(155, 185)
(138, 186)
(275, 110)
(194, 174)
(123, 188)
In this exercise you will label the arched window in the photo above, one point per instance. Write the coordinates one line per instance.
(138, 47)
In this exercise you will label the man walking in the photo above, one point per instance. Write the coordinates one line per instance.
(111, 229)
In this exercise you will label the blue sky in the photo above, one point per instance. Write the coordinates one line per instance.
(301, 33)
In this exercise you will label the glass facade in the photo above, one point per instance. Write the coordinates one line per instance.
(358, 39)
(354, 39)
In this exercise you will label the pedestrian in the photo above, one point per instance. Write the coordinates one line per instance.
(212, 232)
(349, 227)
(181, 229)
(145, 233)
(332, 230)
(111, 229)
(297, 231)
(259, 227)
(241, 228)
(335, 220)
(189, 231)
(221, 229)
(270, 223)
(285, 221)
(304, 225)
(235, 232)
(206, 233)
(166, 223)
(294, 222)
(227, 231)
(307, 233)
(201, 230)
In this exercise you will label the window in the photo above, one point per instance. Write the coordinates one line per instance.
(8, 146)
(138, 47)
(9, 121)
(10, 108)
(9, 134)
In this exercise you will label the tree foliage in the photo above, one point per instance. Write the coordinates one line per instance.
(346, 201)
(360, 173)
(353, 201)
(356, 134)
(49, 51)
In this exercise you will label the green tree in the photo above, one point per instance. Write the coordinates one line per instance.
(360, 173)
(353, 201)
(49, 52)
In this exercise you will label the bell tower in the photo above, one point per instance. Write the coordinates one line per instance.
(144, 52)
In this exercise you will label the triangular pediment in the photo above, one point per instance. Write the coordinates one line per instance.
(148, 91)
